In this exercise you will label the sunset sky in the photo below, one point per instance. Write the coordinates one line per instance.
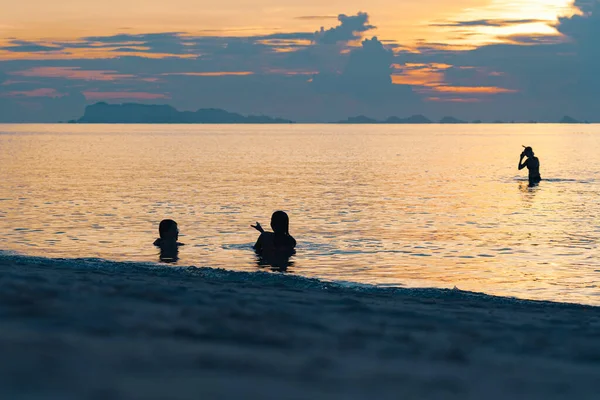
(405, 21)
(308, 61)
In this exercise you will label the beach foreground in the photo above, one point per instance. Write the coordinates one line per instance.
(98, 329)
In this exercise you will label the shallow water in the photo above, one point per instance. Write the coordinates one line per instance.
(416, 206)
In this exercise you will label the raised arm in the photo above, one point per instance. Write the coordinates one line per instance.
(258, 227)
(522, 164)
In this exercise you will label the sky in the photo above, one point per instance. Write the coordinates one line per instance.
(306, 61)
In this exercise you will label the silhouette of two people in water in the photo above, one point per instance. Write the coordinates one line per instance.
(533, 165)
(272, 248)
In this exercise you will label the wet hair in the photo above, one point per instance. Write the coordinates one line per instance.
(165, 226)
(280, 223)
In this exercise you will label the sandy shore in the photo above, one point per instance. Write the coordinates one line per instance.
(102, 330)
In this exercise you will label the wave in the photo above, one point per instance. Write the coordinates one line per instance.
(256, 279)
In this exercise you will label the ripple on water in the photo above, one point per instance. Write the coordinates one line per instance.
(362, 206)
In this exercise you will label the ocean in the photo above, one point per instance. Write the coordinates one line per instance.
(431, 206)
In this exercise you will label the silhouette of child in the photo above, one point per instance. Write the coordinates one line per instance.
(278, 243)
(533, 165)
(169, 233)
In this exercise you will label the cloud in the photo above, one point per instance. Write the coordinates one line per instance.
(583, 29)
(162, 43)
(350, 28)
(370, 64)
(368, 67)
(22, 46)
(71, 73)
(540, 79)
(485, 90)
(366, 80)
(129, 50)
(535, 39)
(185, 45)
(325, 75)
(41, 92)
(424, 75)
(212, 73)
(93, 95)
(496, 23)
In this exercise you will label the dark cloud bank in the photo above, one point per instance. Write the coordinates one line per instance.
(325, 75)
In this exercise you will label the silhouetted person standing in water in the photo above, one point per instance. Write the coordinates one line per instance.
(533, 165)
(275, 247)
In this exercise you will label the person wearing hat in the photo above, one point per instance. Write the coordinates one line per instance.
(533, 165)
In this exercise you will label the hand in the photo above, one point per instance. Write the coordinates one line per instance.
(522, 156)
(258, 227)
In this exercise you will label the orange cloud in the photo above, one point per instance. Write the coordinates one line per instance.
(89, 53)
(276, 71)
(472, 89)
(285, 42)
(422, 77)
(431, 79)
(42, 92)
(71, 73)
(213, 73)
(285, 49)
(419, 74)
(92, 95)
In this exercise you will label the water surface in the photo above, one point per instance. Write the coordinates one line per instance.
(416, 206)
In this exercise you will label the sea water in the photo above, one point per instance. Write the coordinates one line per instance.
(393, 205)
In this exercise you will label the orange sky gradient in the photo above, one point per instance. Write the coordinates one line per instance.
(405, 26)
(405, 21)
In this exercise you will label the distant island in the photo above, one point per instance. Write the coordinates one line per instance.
(569, 120)
(135, 113)
(451, 120)
(421, 119)
(361, 119)
(415, 119)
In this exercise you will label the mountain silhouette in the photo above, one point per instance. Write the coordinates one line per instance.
(451, 120)
(415, 119)
(361, 119)
(135, 113)
(570, 120)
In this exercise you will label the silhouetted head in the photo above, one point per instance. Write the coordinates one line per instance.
(280, 222)
(168, 230)
(528, 152)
